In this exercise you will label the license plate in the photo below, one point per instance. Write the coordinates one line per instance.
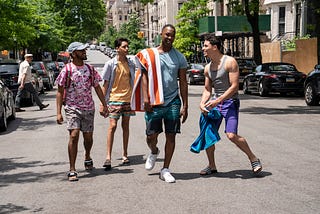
(290, 80)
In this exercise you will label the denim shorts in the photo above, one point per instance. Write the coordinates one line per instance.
(229, 110)
(169, 114)
(118, 109)
(79, 119)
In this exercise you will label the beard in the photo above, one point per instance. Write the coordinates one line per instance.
(83, 57)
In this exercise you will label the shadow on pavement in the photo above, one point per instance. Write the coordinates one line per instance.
(11, 208)
(242, 174)
(9, 164)
(279, 111)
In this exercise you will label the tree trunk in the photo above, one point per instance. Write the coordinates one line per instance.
(254, 22)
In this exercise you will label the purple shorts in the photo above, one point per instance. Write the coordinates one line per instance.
(229, 110)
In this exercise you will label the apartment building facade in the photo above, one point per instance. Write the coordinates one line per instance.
(288, 18)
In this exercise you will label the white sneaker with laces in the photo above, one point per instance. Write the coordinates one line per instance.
(166, 176)
(151, 160)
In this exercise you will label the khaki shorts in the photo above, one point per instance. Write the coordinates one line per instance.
(79, 119)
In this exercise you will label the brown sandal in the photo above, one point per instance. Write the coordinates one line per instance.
(125, 160)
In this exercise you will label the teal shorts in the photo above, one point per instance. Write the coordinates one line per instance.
(169, 115)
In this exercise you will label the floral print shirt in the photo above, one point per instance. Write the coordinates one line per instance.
(79, 91)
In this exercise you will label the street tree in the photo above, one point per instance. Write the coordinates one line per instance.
(188, 16)
(127, 30)
(15, 27)
(251, 9)
(83, 20)
(130, 30)
(49, 27)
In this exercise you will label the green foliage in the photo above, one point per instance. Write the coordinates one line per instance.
(127, 30)
(187, 30)
(15, 16)
(290, 45)
(145, 2)
(83, 20)
(49, 25)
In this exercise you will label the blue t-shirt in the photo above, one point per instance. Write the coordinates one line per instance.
(170, 63)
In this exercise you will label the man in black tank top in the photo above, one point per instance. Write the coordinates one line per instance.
(222, 73)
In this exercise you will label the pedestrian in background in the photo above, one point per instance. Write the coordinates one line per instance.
(75, 83)
(222, 74)
(24, 80)
(161, 68)
(118, 75)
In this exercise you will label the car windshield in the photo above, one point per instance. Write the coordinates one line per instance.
(37, 66)
(282, 68)
(9, 68)
(246, 63)
(197, 66)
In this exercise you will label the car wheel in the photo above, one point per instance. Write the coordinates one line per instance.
(3, 121)
(48, 88)
(51, 86)
(13, 114)
(262, 91)
(42, 90)
(309, 96)
(245, 88)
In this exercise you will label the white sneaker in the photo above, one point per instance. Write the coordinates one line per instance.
(166, 176)
(151, 160)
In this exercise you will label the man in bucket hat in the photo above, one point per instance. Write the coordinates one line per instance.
(75, 82)
(26, 85)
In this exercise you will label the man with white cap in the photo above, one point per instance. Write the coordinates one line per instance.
(25, 83)
(75, 82)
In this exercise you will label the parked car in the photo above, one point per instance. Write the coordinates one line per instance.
(46, 74)
(312, 87)
(61, 64)
(7, 106)
(55, 67)
(195, 73)
(274, 77)
(9, 73)
(246, 66)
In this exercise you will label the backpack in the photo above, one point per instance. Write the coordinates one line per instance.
(68, 79)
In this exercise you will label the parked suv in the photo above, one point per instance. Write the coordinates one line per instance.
(246, 66)
(46, 74)
(312, 87)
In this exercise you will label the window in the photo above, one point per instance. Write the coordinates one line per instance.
(298, 18)
(282, 15)
(120, 17)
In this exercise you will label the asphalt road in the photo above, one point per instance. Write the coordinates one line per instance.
(282, 131)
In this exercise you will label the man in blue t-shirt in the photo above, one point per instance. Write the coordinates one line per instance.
(173, 65)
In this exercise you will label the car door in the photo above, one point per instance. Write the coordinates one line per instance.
(252, 80)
